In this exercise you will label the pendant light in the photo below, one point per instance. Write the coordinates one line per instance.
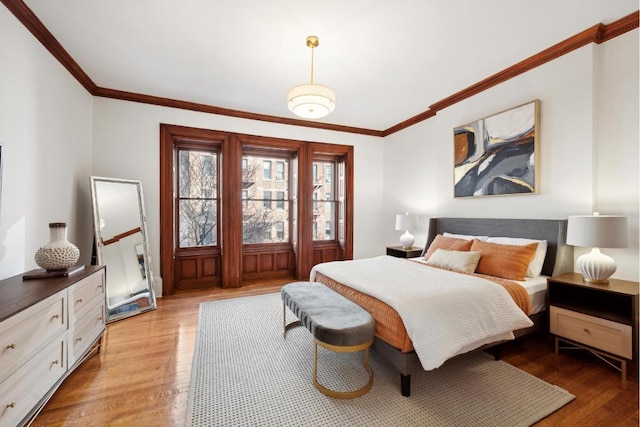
(311, 101)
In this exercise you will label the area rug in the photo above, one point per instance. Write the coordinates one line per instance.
(245, 373)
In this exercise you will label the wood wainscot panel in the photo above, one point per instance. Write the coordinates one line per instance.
(197, 272)
(268, 262)
(284, 261)
(323, 252)
(249, 264)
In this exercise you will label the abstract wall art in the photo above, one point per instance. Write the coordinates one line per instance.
(498, 155)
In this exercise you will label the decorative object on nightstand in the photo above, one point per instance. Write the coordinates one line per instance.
(59, 254)
(597, 231)
(602, 319)
(406, 222)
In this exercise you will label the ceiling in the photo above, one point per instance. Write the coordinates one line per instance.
(387, 61)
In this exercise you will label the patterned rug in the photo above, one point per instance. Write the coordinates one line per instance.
(245, 374)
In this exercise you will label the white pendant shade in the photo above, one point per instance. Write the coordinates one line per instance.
(311, 101)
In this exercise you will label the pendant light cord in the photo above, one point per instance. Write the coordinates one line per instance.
(312, 64)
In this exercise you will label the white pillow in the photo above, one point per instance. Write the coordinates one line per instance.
(463, 261)
(535, 265)
(466, 236)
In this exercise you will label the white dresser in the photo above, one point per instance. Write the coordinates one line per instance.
(47, 328)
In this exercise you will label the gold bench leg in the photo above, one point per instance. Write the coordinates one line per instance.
(342, 349)
(286, 326)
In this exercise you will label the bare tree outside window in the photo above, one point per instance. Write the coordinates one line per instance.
(197, 198)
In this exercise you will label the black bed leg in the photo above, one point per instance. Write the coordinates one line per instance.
(495, 350)
(405, 385)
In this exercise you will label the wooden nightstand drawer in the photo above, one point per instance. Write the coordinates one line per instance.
(612, 337)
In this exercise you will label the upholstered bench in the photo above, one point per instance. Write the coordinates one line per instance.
(336, 323)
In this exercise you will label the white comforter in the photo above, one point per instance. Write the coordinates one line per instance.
(445, 313)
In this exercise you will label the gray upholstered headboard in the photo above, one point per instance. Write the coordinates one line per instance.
(559, 257)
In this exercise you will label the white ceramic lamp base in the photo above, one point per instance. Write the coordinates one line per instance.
(595, 266)
(406, 240)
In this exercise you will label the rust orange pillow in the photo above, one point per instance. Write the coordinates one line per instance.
(447, 243)
(507, 261)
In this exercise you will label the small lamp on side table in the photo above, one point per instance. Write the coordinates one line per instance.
(406, 222)
(597, 231)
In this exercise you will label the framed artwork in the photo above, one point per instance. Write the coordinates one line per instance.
(498, 155)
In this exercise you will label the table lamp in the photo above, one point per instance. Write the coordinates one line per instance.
(406, 222)
(597, 231)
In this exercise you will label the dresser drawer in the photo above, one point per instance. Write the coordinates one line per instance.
(20, 392)
(83, 293)
(85, 330)
(26, 333)
(602, 334)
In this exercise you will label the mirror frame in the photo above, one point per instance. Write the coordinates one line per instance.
(98, 245)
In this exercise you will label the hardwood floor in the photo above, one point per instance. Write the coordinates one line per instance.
(141, 377)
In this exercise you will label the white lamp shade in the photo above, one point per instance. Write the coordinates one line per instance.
(598, 231)
(406, 222)
(311, 101)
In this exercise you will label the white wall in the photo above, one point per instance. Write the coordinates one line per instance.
(126, 139)
(588, 147)
(45, 133)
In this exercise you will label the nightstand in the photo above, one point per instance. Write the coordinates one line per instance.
(602, 319)
(399, 252)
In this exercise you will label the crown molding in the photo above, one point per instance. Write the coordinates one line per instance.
(204, 108)
(597, 34)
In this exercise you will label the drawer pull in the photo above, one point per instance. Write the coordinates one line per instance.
(11, 346)
(55, 362)
(587, 330)
(11, 405)
(79, 300)
(55, 316)
(99, 286)
(78, 339)
(100, 319)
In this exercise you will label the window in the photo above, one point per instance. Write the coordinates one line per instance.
(280, 231)
(266, 169)
(245, 164)
(328, 172)
(266, 204)
(245, 195)
(325, 206)
(279, 171)
(266, 199)
(280, 199)
(197, 198)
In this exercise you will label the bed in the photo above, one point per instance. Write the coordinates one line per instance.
(392, 338)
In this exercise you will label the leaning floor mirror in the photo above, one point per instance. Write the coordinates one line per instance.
(121, 244)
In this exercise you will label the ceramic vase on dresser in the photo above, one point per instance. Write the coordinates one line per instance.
(59, 253)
